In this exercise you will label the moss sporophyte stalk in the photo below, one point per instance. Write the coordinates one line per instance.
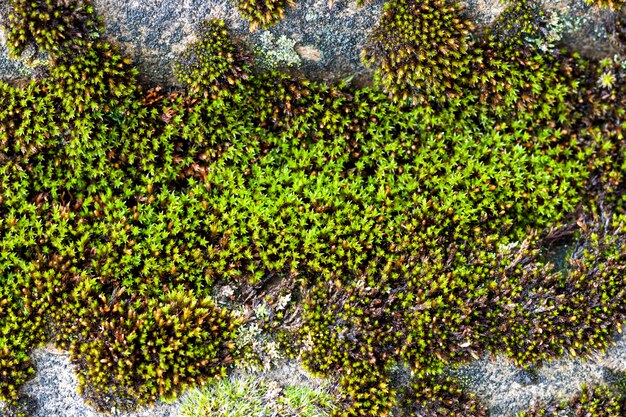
(470, 200)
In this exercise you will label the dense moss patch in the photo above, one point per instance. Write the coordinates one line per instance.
(611, 4)
(421, 47)
(373, 231)
(263, 13)
(599, 401)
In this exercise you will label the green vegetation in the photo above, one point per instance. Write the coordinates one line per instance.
(441, 396)
(598, 401)
(360, 229)
(421, 49)
(611, 4)
(226, 398)
(163, 342)
(255, 397)
(214, 61)
(263, 13)
(54, 26)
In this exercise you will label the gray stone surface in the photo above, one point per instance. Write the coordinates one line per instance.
(11, 69)
(156, 32)
(53, 391)
(326, 34)
(506, 389)
(584, 28)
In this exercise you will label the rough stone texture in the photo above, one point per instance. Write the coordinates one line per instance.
(54, 390)
(483, 12)
(288, 372)
(338, 33)
(586, 29)
(507, 389)
(328, 34)
(309, 53)
(156, 32)
(11, 69)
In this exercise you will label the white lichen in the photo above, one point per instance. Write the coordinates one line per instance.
(277, 52)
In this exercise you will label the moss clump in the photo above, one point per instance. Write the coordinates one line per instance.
(420, 48)
(573, 309)
(598, 401)
(601, 110)
(441, 396)
(21, 409)
(227, 398)
(214, 61)
(363, 231)
(517, 24)
(610, 4)
(366, 392)
(263, 13)
(56, 27)
(17, 365)
(150, 350)
(512, 76)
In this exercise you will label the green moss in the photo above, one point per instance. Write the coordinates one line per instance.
(236, 398)
(421, 49)
(575, 310)
(214, 60)
(56, 27)
(361, 230)
(306, 402)
(597, 401)
(613, 5)
(263, 13)
(150, 350)
(438, 395)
